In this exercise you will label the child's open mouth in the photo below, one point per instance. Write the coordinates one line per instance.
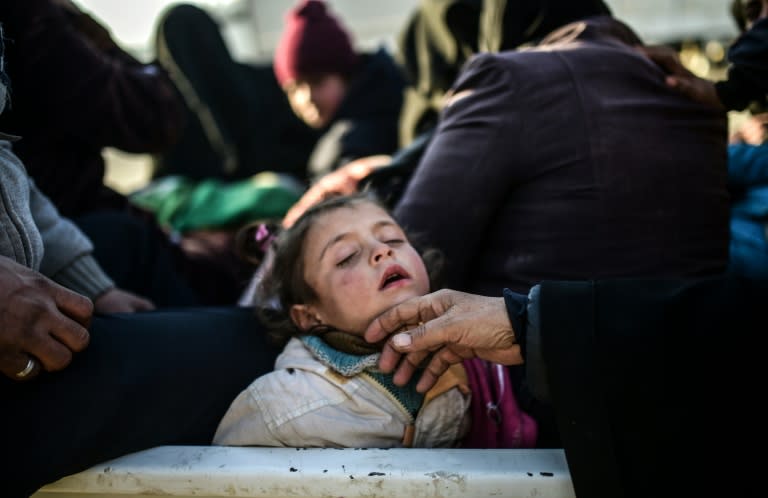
(392, 276)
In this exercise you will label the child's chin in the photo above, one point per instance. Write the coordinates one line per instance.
(403, 296)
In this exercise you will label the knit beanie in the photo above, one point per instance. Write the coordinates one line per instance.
(313, 42)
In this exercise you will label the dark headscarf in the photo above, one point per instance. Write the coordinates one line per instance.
(507, 24)
(437, 40)
(442, 34)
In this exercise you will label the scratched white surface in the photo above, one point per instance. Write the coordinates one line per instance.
(211, 471)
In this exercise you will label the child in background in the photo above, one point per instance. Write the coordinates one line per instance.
(240, 122)
(353, 98)
(339, 266)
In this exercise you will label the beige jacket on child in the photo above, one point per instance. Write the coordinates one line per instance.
(306, 402)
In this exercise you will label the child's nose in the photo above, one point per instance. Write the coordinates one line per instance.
(381, 251)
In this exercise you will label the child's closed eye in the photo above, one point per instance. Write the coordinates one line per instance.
(346, 260)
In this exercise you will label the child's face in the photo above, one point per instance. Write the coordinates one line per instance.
(316, 100)
(360, 264)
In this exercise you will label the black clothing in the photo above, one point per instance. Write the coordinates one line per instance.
(654, 383)
(146, 379)
(748, 73)
(550, 165)
(238, 121)
(74, 92)
(442, 35)
(201, 269)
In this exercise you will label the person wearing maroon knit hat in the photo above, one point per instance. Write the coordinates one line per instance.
(314, 61)
(320, 104)
(352, 97)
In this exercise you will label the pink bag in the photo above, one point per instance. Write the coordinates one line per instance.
(497, 421)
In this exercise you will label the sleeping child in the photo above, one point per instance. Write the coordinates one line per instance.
(342, 263)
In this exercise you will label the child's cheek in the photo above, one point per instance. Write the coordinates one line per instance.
(352, 280)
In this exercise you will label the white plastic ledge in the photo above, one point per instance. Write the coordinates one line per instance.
(213, 471)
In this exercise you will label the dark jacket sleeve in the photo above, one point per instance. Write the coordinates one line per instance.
(748, 74)
(436, 41)
(100, 93)
(641, 370)
(517, 305)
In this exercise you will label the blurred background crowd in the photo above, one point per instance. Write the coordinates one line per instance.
(701, 30)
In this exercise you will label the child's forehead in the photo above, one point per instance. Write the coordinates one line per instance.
(358, 215)
(357, 210)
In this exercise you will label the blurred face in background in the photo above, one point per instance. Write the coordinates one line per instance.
(316, 99)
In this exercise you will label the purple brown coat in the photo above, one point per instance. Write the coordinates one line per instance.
(571, 160)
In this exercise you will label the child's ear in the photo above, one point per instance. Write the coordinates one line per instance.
(304, 316)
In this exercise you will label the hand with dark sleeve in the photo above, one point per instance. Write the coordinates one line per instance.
(680, 78)
(747, 75)
(444, 328)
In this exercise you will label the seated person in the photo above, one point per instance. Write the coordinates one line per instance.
(354, 99)
(103, 97)
(508, 185)
(347, 100)
(340, 265)
(34, 235)
(571, 160)
(438, 39)
(747, 153)
(629, 393)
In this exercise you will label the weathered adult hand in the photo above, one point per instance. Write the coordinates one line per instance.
(449, 325)
(39, 319)
(119, 301)
(343, 181)
(680, 78)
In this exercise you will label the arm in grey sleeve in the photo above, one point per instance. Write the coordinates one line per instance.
(67, 256)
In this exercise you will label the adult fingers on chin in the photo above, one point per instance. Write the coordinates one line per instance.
(408, 366)
(439, 363)
(426, 381)
(389, 358)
